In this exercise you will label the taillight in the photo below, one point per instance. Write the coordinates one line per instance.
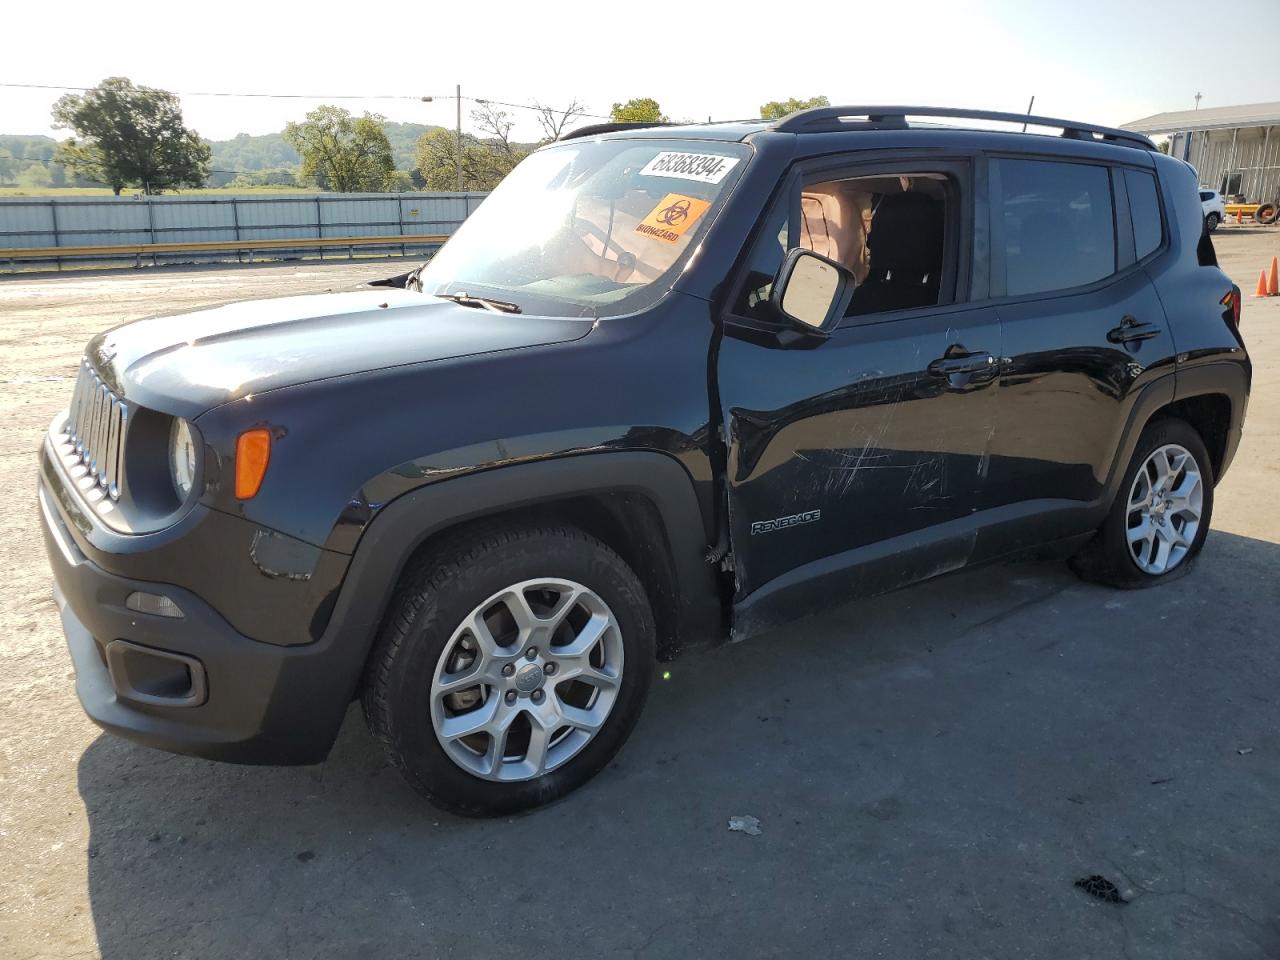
(1232, 301)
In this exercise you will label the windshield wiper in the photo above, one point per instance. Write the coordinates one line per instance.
(484, 303)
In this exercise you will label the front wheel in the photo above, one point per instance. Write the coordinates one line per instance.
(1211, 221)
(1160, 518)
(511, 669)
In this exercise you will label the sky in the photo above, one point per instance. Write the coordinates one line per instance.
(1087, 60)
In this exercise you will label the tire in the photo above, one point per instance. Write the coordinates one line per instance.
(1116, 556)
(1265, 214)
(536, 574)
(1212, 220)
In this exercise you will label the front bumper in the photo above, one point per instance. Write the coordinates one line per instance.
(249, 702)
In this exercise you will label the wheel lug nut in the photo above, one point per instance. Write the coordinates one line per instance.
(549, 669)
(536, 696)
(508, 670)
(511, 696)
(531, 653)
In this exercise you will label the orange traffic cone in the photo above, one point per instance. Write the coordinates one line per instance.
(1273, 282)
(1262, 284)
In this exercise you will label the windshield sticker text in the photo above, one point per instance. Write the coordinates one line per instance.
(672, 217)
(703, 167)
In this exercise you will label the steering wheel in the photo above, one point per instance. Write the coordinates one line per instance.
(622, 257)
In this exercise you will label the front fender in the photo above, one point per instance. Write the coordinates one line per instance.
(405, 524)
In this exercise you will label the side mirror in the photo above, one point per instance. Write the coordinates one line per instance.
(812, 292)
(402, 281)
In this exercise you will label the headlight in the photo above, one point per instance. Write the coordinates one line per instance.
(182, 457)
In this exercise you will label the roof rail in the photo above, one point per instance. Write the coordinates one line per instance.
(825, 119)
(593, 129)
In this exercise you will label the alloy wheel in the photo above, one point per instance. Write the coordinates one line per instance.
(1165, 506)
(527, 680)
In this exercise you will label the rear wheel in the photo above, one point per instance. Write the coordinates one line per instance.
(512, 668)
(1160, 517)
(1212, 220)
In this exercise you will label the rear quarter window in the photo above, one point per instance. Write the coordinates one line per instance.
(1144, 209)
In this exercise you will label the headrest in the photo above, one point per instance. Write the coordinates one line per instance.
(906, 235)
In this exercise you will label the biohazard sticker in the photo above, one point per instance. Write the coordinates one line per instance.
(703, 167)
(672, 217)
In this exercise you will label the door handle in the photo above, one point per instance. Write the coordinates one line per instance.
(964, 363)
(1130, 330)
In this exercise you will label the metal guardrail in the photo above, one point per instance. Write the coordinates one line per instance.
(15, 255)
(202, 228)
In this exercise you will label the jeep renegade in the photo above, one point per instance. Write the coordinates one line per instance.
(668, 384)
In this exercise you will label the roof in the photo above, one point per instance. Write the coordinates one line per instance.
(1210, 118)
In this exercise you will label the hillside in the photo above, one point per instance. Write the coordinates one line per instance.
(24, 159)
(249, 153)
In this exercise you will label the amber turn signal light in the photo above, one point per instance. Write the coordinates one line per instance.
(253, 453)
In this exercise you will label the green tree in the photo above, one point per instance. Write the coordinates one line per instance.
(342, 153)
(775, 109)
(639, 110)
(400, 181)
(130, 136)
(35, 177)
(437, 157)
(270, 177)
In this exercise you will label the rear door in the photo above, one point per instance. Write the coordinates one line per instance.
(1084, 332)
(859, 457)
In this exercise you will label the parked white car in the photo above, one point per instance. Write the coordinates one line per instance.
(1214, 208)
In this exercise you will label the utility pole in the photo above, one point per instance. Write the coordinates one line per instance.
(1198, 101)
(457, 132)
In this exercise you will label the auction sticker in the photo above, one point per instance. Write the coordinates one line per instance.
(672, 217)
(703, 167)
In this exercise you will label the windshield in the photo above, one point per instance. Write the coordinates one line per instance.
(589, 228)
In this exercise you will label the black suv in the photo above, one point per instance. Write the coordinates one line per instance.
(668, 384)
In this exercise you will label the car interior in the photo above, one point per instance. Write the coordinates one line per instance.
(889, 231)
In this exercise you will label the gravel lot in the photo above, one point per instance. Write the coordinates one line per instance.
(932, 770)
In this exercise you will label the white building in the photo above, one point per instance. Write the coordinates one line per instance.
(1236, 150)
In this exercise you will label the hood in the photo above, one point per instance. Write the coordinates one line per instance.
(188, 363)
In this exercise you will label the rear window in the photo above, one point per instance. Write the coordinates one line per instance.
(1206, 194)
(1059, 227)
(1144, 209)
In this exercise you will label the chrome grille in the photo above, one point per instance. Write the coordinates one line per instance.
(95, 430)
